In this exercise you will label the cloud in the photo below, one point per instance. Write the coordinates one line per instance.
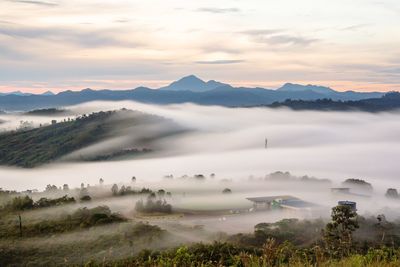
(122, 20)
(11, 53)
(33, 2)
(220, 62)
(6, 22)
(218, 10)
(355, 27)
(288, 40)
(262, 32)
(220, 48)
(84, 38)
(392, 7)
(278, 37)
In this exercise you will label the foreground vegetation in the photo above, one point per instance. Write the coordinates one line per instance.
(98, 237)
(289, 242)
(74, 227)
(271, 254)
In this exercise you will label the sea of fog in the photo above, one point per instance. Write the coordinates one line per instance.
(230, 142)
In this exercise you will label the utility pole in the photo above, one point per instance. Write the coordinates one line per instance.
(266, 143)
(20, 225)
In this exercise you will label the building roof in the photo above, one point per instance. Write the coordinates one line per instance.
(270, 198)
(297, 204)
(347, 202)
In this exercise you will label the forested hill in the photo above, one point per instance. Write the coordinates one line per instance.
(388, 102)
(32, 147)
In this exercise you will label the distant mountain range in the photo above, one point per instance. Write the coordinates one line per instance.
(189, 89)
(19, 93)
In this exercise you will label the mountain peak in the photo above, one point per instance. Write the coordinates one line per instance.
(191, 77)
(48, 93)
(292, 87)
(87, 90)
(192, 83)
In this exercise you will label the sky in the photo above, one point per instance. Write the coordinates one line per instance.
(119, 44)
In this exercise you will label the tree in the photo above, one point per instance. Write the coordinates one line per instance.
(383, 225)
(338, 234)
(51, 188)
(122, 190)
(226, 191)
(65, 187)
(21, 203)
(133, 180)
(200, 177)
(392, 193)
(114, 189)
(161, 193)
(101, 181)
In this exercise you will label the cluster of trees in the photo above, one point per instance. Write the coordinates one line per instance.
(15, 201)
(153, 205)
(128, 190)
(358, 184)
(46, 112)
(21, 203)
(288, 177)
(196, 177)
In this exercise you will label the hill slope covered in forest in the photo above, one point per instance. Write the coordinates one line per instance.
(37, 146)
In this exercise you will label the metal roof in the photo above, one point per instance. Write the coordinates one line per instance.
(297, 203)
(270, 198)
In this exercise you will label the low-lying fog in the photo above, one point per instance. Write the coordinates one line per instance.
(230, 142)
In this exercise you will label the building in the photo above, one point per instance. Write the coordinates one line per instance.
(280, 202)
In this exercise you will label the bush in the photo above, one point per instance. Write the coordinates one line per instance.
(20, 203)
(46, 202)
(85, 198)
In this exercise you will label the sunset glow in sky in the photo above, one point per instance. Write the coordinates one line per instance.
(73, 44)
